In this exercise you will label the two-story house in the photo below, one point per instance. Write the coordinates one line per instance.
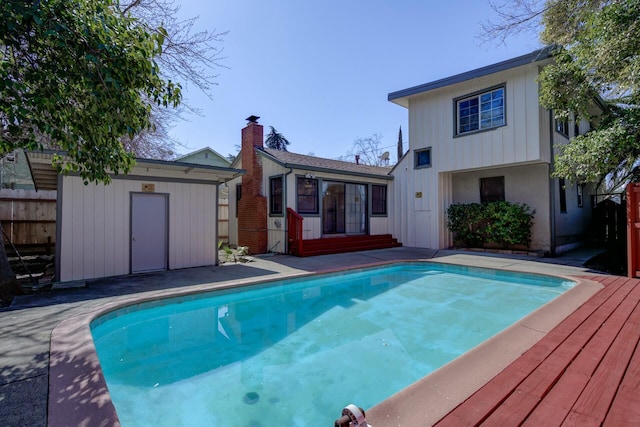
(483, 136)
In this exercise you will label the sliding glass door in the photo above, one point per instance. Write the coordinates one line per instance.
(344, 208)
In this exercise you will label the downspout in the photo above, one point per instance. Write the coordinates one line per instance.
(284, 208)
(552, 188)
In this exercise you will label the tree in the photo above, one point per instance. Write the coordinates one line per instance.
(189, 56)
(276, 141)
(78, 75)
(400, 148)
(368, 151)
(597, 59)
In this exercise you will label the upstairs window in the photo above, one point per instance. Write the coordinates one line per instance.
(562, 127)
(422, 158)
(275, 196)
(481, 111)
(378, 199)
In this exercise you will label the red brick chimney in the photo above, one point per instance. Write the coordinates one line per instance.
(252, 207)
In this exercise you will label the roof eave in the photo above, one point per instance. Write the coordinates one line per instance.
(321, 169)
(400, 97)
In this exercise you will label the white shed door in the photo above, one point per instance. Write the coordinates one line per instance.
(149, 232)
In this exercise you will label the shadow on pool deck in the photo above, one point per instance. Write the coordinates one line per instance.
(28, 322)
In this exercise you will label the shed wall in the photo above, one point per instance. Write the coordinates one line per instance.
(95, 226)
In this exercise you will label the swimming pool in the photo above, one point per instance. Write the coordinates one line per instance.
(295, 352)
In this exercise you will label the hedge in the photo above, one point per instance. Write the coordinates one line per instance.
(502, 223)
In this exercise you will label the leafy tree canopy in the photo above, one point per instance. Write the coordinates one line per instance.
(598, 57)
(601, 57)
(76, 75)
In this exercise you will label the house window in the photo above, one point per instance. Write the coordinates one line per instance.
(307, 195)
(492, 189)
(563, 196)
(562, 126)
(576, 127)
(275, 196)
(481, 111)
(423, 158)
(238, 197)
(580, 190)
(378, 199)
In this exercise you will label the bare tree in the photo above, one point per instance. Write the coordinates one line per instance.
(514, 17)
(157, 142)
(368, 151)
(189, 57)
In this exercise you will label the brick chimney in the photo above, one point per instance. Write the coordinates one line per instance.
(252, 207)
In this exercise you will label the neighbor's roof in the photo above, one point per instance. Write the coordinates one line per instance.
(312, 163)
(202, 150)
(399, 97)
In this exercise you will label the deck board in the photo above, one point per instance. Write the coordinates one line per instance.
(572, 385)
(584, 372)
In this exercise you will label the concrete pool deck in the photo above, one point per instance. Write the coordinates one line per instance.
(27, 324)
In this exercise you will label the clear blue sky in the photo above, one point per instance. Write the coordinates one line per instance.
(320, 72)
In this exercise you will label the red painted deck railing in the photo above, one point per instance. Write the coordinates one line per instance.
(294, 232)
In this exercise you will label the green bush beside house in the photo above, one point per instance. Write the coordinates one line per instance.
(497, 223)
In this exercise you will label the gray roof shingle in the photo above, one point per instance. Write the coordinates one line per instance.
(301, 161)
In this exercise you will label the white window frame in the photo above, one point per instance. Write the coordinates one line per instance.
(470, 109)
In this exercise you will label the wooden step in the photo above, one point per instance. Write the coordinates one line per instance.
(332, 245)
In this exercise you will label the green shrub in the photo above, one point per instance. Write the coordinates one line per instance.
(503, 223)
(466, 221)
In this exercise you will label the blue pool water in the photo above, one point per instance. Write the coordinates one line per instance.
(295, 352)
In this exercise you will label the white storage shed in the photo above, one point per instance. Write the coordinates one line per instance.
(160, 216)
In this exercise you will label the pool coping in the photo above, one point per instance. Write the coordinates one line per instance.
(78, 393)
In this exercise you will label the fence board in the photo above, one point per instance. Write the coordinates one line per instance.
(28, 218)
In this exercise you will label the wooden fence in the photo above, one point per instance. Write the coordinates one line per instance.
(28, 220)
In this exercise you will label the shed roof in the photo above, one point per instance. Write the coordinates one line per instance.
(45, 176)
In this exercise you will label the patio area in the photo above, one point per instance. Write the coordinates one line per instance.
(592, 350)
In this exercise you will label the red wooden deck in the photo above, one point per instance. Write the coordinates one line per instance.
(585, 372)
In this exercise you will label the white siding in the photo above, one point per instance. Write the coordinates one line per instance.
(432, 124)
(421, 221)
(522, 184)
(233, 214)
(95, 228)
(276, 225)
(378, 225)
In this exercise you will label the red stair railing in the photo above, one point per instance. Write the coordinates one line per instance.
(294, 232)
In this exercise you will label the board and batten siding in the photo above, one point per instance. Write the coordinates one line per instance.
(94, 235)
(522, 140)
(276, 225)
(422, 196)
(411, 204)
